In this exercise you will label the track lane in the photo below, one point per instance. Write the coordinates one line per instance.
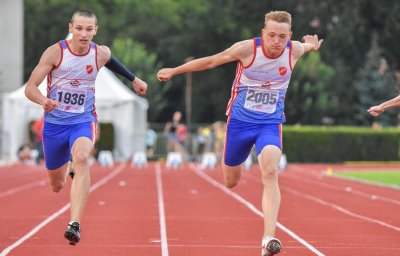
(119, 220)
(211, 221)
(339, 222)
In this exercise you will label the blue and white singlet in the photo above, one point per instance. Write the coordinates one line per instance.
(72, 84)
(259, 89)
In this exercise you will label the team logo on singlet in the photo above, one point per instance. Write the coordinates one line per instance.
(266, 84)
(282, 70)
(89, 69)
(75, 83)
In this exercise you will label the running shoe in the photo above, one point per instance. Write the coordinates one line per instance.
(270, 246)
(71, 173)
(71, 170)
(73, 233)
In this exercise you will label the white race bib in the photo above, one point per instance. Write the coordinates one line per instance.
(71, 99)
(261, 100)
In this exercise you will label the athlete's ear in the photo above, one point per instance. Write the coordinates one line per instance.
(290, 34)
(70, 28)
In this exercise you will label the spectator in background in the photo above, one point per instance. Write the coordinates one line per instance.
(219, 138)
(170, 130)
(201, 142)
(151, 138)
(181, 137)
(37, 129)
(25, 154)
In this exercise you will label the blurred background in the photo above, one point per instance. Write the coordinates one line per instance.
(357, 67)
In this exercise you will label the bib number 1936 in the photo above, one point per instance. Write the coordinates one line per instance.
(71, 100)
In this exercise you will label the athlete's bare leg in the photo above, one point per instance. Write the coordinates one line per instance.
(58, 177)
(81, 151)
(268, 160)
(232, 174)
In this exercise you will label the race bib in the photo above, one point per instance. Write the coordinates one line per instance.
(71, 100)
(264, 100)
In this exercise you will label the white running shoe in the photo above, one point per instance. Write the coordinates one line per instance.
(270, 246)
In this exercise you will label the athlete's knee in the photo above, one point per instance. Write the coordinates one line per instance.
(269, 173)
(230, 183)
(81, 157)
(56, 186)
(231, 176)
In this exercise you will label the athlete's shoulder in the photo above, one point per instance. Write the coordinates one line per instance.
(297, 49)
(52, 54)
(103, 54)
(243, 49)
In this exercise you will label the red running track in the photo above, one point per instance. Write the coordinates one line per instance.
(156, 211)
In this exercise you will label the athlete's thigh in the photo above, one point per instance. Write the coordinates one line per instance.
(240, 138)
(82, 139)
(55, 145)
(269, 134)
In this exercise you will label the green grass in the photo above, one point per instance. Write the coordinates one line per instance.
(391, 178)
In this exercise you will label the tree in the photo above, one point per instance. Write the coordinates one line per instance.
(309, 97)
(374, 84)
(135, 57)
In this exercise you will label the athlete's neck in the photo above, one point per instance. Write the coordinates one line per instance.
(78, 49)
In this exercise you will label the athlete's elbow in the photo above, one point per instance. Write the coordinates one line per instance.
(27, 91)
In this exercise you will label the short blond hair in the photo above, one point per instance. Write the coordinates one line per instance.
(279, 16)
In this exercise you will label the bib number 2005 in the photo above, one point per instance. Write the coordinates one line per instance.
(261, 101)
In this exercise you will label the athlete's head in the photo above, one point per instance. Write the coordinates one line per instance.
(277, 31)
(83, 26)
(84, 13)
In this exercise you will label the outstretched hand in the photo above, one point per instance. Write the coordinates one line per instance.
(139, 86)
(375, 110)
(313, 40)
(165, 74)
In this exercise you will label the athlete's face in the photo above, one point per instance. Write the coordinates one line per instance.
(83, 29)
(275, 36)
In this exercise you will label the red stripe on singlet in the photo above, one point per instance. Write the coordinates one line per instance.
(234, 91)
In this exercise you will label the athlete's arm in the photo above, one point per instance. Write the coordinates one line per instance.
(238, 51)
(105, 59)
(48, 61)
(310, 43)
(377, 110)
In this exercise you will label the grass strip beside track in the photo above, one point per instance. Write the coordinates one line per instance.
(390, 178)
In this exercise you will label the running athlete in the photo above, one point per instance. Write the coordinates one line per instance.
(255, 110)
(71, 67)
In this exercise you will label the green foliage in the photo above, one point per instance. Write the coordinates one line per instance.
(107, 137)
(339, 144)
(165, 32)
(135, 57)
(310, 87)
(374, 85)
(391, 178)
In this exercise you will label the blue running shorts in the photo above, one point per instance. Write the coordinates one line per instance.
(241, 136)
(58, 140)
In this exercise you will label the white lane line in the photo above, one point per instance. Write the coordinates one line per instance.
(253, 209)
(341, 209)
(101, 182)
(346, 189)
(22, 188)
(321, 173)
(161, 210)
